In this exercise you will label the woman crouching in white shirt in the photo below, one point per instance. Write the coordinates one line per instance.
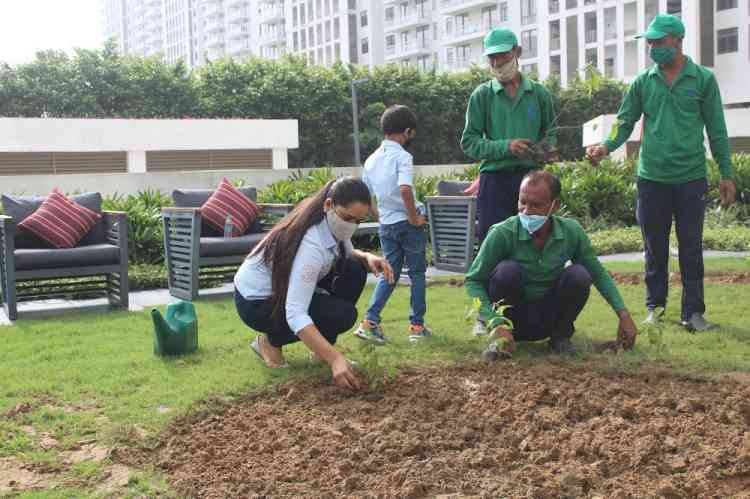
(303, 280)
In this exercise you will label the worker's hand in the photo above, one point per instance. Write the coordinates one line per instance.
(626, 330)
(727, 192)
(520, 148)
(596, 152)
(343, 374)
(505, 335)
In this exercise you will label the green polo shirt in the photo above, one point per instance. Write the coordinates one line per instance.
(494, 119)
(672, 150)
(508, 240)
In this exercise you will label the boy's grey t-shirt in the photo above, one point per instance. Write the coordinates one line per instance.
(388, 168)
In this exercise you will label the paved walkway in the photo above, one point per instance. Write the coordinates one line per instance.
(142, 300)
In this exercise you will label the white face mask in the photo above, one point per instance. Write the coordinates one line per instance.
(340, 228)
(507, 71)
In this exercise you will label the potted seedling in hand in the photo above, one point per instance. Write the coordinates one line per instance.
(501, 345)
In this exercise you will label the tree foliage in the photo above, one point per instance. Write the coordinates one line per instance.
(102, 84)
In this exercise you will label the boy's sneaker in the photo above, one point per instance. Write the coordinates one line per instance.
(654, 316)
(369, 331)
(417, 332)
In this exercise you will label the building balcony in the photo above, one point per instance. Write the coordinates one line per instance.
(451, 7)
(463, 63)
(229, 4)
(410, 20)
(239, 46)
(271, 14)
(239, 30)
(214, 24)
(410, 49)
(215, 53)
(215, 40)
(212, 9)
(270, 38)
(466, 33)
(238, 14)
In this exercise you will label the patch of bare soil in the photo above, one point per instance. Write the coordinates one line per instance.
(674, 278)
(503, 430)
(17, 476)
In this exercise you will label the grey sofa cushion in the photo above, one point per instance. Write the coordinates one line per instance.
(80, 256)
(452, 188)
(230, 246)
(195, 198)
(20, 207)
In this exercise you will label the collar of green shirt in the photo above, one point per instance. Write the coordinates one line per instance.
(525, 85)
(557, 232)
(689, 69)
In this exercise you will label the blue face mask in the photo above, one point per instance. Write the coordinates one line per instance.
(533, 223)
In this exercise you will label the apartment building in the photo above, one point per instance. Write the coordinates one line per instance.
(560, 37)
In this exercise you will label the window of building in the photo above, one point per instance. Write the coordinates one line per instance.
(503, 12)
(295, 41)
(390, 41)
(589, 22)
(554, 6)
(337, 46)
(610, 23)
(336, 29)
(319, 35)
(365, 46)
(403, 9)
(554, 65)
(328, 31)
(727, 41)
(352, 4)
(318, 9)
(303, 39)
(489, 17)
(363, 19)
(589, 2)
(389, 14)
(554, 35)
(302, 18)
(571, 4)
(530, 70)
(336, 8)
(328, 9)
(311, 35)
(528, 43)
(294, 16)
(423, 37)
(674, 7)
(329, 55)
(528, 12)
(592, 57)
(726, 4)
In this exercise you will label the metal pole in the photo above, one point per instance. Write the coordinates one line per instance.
(355, 121)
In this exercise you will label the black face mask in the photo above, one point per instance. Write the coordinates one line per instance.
(408, 143)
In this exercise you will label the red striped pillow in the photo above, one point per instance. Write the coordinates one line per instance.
(60, 221)
(227, 200)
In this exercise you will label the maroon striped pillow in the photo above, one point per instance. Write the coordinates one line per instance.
(227, 200)
(60, 221)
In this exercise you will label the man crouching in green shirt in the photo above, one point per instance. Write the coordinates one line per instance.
(677, 98)
(521, 263)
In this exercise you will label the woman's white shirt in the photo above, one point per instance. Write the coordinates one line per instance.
(315, 256)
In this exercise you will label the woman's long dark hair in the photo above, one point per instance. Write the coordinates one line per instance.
(281, 244)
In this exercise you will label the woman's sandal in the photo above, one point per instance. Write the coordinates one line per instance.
(255, 346)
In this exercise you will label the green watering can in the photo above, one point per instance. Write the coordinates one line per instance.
(177, 333)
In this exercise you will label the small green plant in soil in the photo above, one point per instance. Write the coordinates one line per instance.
(371, 368)
(500, 319)
(654, 333)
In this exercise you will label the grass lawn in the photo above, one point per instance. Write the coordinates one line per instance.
(89, 377)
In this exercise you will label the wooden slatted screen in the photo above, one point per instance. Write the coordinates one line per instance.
(238, 159)
(51, 163)
(739, 144)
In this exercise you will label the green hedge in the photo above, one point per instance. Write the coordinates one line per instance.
(102, 84)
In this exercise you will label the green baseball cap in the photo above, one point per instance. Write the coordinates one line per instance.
(499, 40)
(663, 25)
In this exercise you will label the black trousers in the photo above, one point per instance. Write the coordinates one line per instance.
(332, 314)
(552, 316)
(497, 198)
(657, 204)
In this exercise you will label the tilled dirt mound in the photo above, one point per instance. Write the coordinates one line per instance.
(501, 430)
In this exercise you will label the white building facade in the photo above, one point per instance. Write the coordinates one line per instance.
(557, 36)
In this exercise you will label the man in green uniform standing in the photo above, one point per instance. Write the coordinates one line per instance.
(677, 98)
(505, 116)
